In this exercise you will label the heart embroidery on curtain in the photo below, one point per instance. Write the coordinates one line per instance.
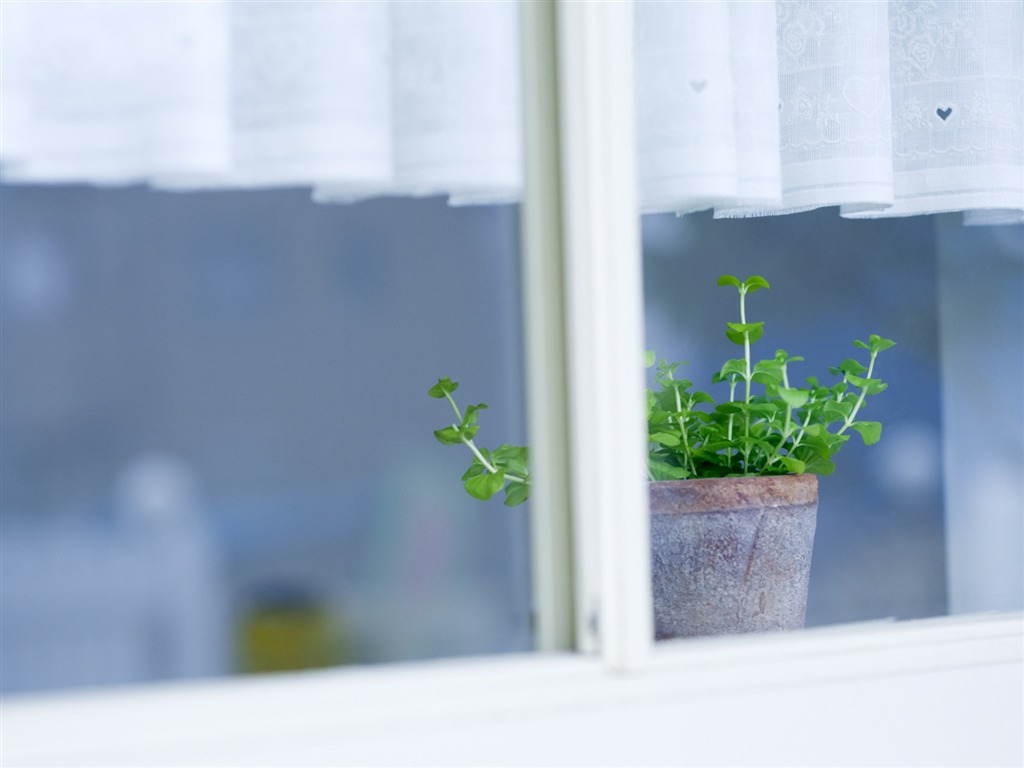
(698, 85)
(865, 95)
(944, 113)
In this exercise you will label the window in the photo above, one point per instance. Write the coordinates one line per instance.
(873, 705)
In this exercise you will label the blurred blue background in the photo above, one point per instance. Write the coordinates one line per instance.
(216, 439)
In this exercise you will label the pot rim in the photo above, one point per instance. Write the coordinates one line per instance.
(717, 494)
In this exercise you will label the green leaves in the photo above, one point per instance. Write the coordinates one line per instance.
(732, 368)
(744, 333)
(794, 398)
(467, 428)
(739, 333)
(665, 438)
(506, 468)
(516, 493)
(755, 282)
(848, 367)
(764, 425)
(870, 431)
(448, 436)
(875, 344)
(749, 285)
(729, 280)
(443, 387)
(761, 426)
(485, 485)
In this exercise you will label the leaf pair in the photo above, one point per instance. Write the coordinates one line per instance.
(465, 430)
(509, 471)
(751, 284)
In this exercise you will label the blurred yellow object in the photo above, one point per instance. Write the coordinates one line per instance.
(288, 634)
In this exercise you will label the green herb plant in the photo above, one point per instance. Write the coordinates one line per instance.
(765, 426)
(780, 430)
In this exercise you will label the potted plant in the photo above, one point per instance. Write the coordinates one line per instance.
(733, 484)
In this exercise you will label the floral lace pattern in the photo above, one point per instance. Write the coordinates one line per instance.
(885, 108)
(958, 107)
(834, 108)
(752, 107)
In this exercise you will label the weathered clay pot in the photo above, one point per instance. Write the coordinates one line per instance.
(731, 555)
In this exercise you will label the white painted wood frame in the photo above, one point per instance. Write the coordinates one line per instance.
(544, 335)
(942, 692)
(605, 331)
(583, 313)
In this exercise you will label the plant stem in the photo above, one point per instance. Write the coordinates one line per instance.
(682, 430)
(860, 400)
(746, 377)
(458, 413)
(487, 465)
(799, 435)
(732, 417)
(746, 349)
(788, 424)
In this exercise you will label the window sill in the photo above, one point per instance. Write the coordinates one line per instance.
(939, 691)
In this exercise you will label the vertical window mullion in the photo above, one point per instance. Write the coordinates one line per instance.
(544, 333)
(603, 274)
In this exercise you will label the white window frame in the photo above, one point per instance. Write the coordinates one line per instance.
(941, 691)
(584, 314)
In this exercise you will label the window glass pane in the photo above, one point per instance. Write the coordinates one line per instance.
(981, 313)
(217, 449)
(879, 547)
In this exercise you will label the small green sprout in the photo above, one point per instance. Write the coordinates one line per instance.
(505, 468)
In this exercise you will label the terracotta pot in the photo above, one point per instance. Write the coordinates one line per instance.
(731, 555)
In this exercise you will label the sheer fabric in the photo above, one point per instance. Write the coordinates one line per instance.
(702, 140)
(958, 107)
(883, 108)
(352, 98)
(110, 93)
(750, 107)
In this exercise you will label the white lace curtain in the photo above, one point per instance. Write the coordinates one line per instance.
(883, 108)
(353, 98)
(750, 107)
